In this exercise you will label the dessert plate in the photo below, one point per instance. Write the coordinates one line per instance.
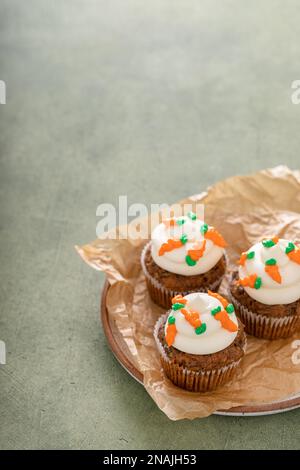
(125, 358)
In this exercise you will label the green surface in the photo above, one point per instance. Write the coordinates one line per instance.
(155, 100)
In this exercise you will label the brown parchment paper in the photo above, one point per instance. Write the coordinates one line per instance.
(244, 209)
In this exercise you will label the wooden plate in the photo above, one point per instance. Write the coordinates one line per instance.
(124, 357)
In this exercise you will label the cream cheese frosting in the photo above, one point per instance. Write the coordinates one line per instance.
(186, 246)
(201, 323)
(270, 271)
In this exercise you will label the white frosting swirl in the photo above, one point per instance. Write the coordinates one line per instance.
(214, 339)
(272, 292)
(175, 261)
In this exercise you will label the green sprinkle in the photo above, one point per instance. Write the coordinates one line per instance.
(180, 221)
(204, 228)
(268, 243)
(257, 283)
(250, 255)
(177, 306)
(190, 261)
(290, 247)
(184, 238)
(271, 262)
(200, 329)
(192, 215)
(171, 320)
(229, 308)
(216, 310)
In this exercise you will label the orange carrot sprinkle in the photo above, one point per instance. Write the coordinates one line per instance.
(192, 317)
(219, 297)
(226, 323)
(294, 255)
(169, 246)
(171, 333)
(273, 272)
(213, 235)
(169, 222)
(179, 299)
(242, 259)
(248, 281)
(275, 240)
(197, 252)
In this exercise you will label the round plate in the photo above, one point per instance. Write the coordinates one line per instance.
(120, 350)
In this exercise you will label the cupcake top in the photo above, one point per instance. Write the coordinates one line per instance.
(186, 245)
(270, 271)
(201, 323)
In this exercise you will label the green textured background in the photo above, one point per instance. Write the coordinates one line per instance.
(155, 100)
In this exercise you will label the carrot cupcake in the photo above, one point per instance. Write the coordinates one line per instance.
(184, 255)
(200, 340)
(266, 289)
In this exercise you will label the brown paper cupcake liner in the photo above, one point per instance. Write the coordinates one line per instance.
(265, 327)
(163, 296)
(193, 381)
